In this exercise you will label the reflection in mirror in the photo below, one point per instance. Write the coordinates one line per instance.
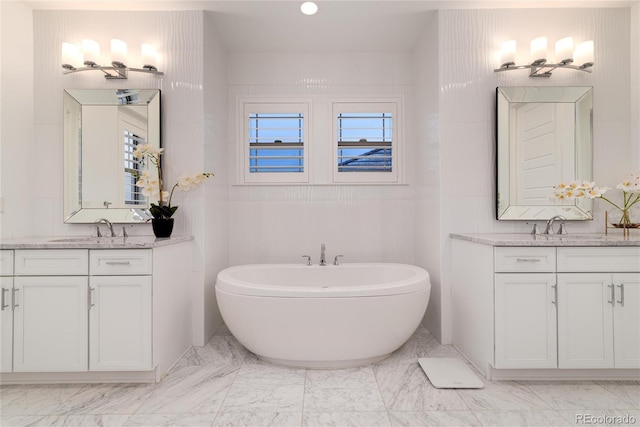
(543, 137)
(102, 128)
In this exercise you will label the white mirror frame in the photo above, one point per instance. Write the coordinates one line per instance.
(92, 123)
(543, 137)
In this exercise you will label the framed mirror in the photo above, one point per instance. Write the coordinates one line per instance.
(102, 128)
(543, 138)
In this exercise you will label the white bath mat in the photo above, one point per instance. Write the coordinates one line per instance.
(449, 373)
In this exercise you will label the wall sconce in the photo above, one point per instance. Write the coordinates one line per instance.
(580, 59)
(90, 57)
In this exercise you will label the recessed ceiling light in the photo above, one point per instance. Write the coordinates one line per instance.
(309, 8)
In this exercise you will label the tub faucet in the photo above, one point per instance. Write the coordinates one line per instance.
(109, 225)
(549, 228)
(323, 260)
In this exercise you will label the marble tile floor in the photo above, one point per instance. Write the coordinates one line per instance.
(222, 384)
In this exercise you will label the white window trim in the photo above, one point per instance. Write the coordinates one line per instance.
(394, 105)
(247, 106)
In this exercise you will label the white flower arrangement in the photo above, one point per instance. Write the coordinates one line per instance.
(588, 190)
(152, 186)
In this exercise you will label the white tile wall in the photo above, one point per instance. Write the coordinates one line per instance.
(363, 223)
(635, 85)
(16, 131)
(427, 163)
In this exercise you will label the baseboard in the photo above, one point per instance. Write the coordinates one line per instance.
(565, 374)
(7, 378)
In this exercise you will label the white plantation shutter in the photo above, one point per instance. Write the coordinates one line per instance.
(275, 143)
(366, 147)
(365, 142)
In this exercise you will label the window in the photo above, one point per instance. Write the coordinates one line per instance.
(366, 135)
(132, 167)
(275, 143)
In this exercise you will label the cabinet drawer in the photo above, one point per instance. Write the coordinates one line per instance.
(525, 259)
(599, 259)
(51, 262)
(6, 262)
(120, 262)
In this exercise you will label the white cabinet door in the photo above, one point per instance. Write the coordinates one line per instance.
(626, 320)
(525, 320)
(50, 324)
(585, 320)
(120, 323)
(6, 325)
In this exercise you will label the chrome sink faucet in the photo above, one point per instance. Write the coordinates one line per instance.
(323, 259)
(549, 228)
(109, 225)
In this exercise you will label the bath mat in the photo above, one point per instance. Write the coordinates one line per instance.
(449, 373)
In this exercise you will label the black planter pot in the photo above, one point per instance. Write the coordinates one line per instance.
(162, 227)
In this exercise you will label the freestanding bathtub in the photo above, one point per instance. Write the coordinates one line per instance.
(323, 316)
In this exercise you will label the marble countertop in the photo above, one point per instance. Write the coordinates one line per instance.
(86, 242)
(522, 239)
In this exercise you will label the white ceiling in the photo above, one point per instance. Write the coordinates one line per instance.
(339, 25)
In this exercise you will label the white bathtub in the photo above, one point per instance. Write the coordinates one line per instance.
(323, 316)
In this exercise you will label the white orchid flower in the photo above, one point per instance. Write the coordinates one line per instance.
(586, 185)
(630, 186)
(149, 191)
(596, 192)
(144, 149)
(630, 193)
(185, 182)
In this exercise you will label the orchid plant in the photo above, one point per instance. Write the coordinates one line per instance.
(152, 185)
(630, 187)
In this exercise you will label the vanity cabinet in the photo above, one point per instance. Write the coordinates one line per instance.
(50, 324)
(79, 310)
(525, 308)
(525, 321)
(520, 310)
(599, 307)
(120, 310)
(598, 321)
(94, 313)
(50, 310)
(6, 310)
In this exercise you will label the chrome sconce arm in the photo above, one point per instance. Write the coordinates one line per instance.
(542, 69)
(115, 72)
